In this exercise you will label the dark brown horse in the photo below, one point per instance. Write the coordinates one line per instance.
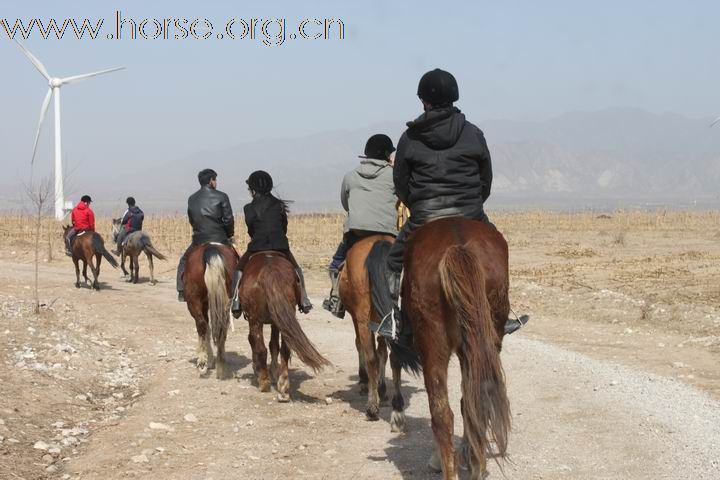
(355, 295)
(269, 293)
(455, 296)
(88, 247)
(207, 280)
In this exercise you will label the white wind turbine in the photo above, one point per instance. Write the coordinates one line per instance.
(55, 83)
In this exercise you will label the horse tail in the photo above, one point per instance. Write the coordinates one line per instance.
(282, 315)
(149, 249)
(218, 298)
(485, 402)
(382, 302)
(99, 247)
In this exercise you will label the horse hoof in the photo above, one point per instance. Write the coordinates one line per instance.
(283, 397)
(397, 422)
(77, 285)
(372, 413)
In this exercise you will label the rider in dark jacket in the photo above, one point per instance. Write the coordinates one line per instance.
(130, 222)
(211, 218)
(267, 221)
(442, 169)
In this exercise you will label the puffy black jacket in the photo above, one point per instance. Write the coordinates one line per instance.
(132, 221)
(211, 216)
(442, 166)
(266, 219)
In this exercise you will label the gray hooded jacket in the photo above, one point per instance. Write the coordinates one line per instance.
(368, 195)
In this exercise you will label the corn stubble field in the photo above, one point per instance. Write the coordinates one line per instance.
(663, 262)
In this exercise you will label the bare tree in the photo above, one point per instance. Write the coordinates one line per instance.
(39, 194)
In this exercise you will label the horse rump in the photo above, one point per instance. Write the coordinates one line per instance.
(218, 298)
(382, 302)
(99, 247)
(282, 314)
(485, 402)
(149, 249)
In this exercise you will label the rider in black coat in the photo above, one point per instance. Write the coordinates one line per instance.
(211, 218)
(267, 221)
(442, 169)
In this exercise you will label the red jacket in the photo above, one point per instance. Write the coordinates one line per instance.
(83, 217)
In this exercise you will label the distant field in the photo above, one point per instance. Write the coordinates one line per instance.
(666, 264)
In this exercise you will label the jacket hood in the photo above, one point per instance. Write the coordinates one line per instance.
(371, 168)
(82, 206)
(438, 128)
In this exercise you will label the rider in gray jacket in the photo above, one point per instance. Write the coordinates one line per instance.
(368, 196)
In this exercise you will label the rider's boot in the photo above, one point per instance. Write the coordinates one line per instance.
(392, 325)
(305, 305)
(68, 250)
(235, 307)
(333, 304)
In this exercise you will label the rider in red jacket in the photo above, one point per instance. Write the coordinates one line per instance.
(83, 219)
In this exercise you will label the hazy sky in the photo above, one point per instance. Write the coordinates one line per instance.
(515, 59)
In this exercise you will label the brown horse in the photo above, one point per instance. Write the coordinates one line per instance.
(455, 296)
(207, 280)
(86, 246)
(355, 295)
(135, 244)
(269, 293)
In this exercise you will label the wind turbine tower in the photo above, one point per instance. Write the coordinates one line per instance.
(55, 84)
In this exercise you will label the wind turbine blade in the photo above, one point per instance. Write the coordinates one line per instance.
(717, 120)
(78, 78)
(38, 64)
(43, 112)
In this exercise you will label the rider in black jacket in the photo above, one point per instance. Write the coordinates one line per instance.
(442, 169)
(211, 217)
(267, 221)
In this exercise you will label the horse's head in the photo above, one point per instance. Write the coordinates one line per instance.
(115, 228)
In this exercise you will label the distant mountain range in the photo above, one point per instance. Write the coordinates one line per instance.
(610, 158)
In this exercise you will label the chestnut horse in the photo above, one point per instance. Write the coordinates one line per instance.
(86, 246)
(455, 297)
(269, 293)
(206, 281)
(355, 295)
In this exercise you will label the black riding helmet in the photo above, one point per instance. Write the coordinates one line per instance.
(260, 181)
(379, 146)
(86, 199)
(438, 87)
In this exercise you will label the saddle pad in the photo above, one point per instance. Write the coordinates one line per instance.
(81, 233)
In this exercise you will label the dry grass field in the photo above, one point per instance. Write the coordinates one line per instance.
(660, 268)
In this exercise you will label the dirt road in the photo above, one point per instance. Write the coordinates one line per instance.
(102, 385)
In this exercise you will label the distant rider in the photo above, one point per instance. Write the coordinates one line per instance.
(83, 219)
(211, 218)
(132, 221)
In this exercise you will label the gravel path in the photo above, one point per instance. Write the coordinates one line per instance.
(574, 417)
